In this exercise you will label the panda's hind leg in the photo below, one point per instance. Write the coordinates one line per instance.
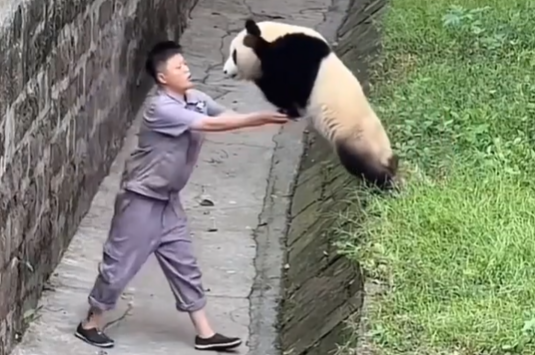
(367, 167)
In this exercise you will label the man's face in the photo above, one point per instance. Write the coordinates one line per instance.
(176, 74)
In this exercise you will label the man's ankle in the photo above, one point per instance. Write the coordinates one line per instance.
(202, 325)
(206, 335)
(92, 319)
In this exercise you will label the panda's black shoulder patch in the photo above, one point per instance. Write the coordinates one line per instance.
(289, 69)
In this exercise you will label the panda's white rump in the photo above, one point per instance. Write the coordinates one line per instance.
(340, 111)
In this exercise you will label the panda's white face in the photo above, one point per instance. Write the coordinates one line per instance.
(242, 63)
(230, 68)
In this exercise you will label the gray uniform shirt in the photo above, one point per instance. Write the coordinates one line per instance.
(167, 149)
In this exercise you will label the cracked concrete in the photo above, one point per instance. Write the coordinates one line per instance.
(247, 174)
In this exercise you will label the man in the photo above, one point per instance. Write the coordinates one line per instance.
(148, 215)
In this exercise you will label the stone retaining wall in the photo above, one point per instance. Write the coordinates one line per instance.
(71, 81)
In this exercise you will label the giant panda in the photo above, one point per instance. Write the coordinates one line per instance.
(298, 72)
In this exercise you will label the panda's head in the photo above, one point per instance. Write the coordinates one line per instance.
(242, 62)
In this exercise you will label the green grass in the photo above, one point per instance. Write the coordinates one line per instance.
(455, 248)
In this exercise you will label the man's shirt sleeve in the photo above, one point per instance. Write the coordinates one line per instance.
(171, 118)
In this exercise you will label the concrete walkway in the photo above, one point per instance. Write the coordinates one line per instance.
(247, 175)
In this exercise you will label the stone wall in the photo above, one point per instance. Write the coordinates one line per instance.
(71, 80)
(321, 288)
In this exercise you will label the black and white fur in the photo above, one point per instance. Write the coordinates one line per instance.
(300, 74)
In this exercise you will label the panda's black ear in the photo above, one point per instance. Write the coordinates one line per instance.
(257, 44)
(252, 28)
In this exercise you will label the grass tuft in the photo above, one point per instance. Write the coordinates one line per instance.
(456, 248)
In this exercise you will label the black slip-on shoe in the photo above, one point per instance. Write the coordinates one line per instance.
(217, 342)
(94, 337)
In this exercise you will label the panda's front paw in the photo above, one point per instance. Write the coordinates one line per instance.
(291, 113)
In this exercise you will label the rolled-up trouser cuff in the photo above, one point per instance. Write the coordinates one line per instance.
(192, 307)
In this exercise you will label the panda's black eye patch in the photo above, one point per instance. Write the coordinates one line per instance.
(234, 56)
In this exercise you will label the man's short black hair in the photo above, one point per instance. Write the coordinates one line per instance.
(159, 55)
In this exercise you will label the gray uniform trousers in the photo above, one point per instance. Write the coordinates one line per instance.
(140, 226)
